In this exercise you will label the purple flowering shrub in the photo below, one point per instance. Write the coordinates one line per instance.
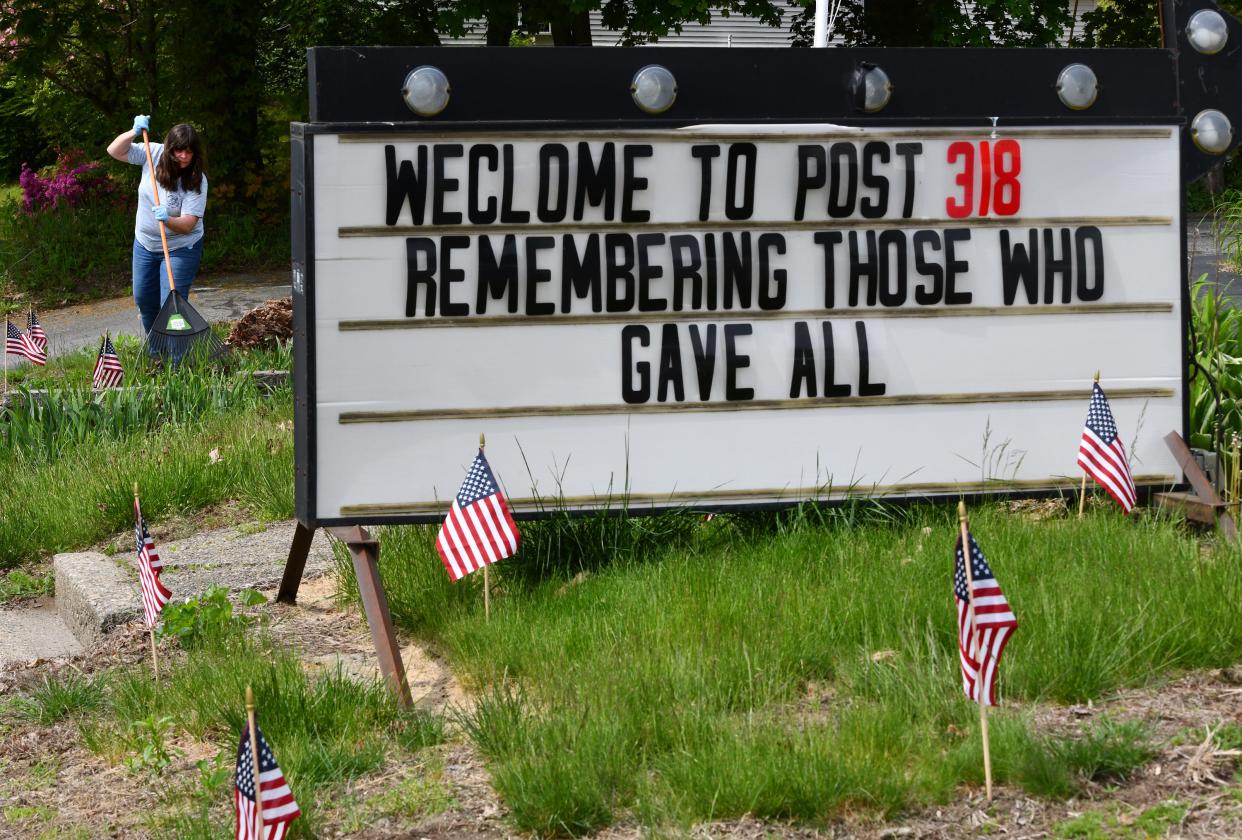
(70, 182)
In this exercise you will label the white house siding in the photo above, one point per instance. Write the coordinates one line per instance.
(730, 31)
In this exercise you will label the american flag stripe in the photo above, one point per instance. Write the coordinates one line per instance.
(20, 344)
(154, 594)
(979, 652)
(478, 530)
(1109, 467)
(108, 371)
(35, 329)
(245, 817)
(279, 807)
(1102, 454)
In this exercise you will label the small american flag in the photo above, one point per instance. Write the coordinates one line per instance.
(1102, 454)
(154, 594)
(478, 530)
(20, 344)
(35, 330)
(108, 371)
(279, 806)
(980, 651)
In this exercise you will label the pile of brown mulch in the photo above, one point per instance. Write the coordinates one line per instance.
(264, 325)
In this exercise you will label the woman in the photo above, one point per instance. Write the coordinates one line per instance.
(183, 200)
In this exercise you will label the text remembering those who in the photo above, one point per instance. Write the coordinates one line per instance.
(727, 228)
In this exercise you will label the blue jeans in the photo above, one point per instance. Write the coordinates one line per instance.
(151, 278)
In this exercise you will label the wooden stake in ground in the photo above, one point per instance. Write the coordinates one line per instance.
(1082, 493)
(254, 757)
(487, 583)
(974, 645)
(155, 661)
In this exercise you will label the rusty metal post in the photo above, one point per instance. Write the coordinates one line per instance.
(295, 565)
(1202, 487)
(365, 551)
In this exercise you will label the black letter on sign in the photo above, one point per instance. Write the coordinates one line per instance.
(803, 362)
(872, 152)
(733, 210)
(415, 276)
(580, 273)
(705, 153)
(954, 267)
(632, 184)
(928, 293)
(476, 215)
(1063, 266)
(865, 387)
(907, 151)
(442, 185)
(547, 153)
(450, 275)
(596, 184)
(704, 358)
(497, 277)
(670, 365)
(890, 240)
(829, 239)
(629, 392)
(806, 180)
(405, 184)
(1087, 290)
(773, 298)
(647, 272)
(831, 388)
(1020, 265)
(686, 269)
(838, 154)
(620, 274)
(536, 275)
(509, 216)
(735, 361)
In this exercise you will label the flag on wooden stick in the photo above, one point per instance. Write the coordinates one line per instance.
(279, 808)
(154, 594)
(1102, 454)
(108, 370)
(20, 344)
(35, 330)
(478, 530)
(984, 622)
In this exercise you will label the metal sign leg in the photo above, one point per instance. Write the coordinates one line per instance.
(294, 566)
(365, 552)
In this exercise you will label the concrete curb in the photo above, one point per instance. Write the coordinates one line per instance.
(93, 594)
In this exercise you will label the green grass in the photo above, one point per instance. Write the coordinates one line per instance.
(727, 667)
(69, 255)
(19, 585)
(325, 730)
(57, 698)
(94, 496)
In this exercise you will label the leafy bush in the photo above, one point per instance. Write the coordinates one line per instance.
(1216, 370)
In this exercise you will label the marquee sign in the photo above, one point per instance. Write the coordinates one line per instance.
(746, 300)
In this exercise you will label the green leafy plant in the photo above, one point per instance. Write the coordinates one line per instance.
(149, 738)
(1216, 370)
(209, 617)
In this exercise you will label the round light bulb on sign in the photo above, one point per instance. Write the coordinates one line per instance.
(654, 89)
(1207, 31)
(1212, 132)
(877, 89)
(1077, 87)
(426, 90)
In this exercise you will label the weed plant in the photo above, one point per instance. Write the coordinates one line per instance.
(1217, 325)
(808, 667)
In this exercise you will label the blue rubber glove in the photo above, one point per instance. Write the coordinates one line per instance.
(160, 212)
(141, 121)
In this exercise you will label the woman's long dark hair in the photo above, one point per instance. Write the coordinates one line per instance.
(168, 173)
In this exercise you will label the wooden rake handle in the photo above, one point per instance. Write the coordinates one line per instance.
(155, 189)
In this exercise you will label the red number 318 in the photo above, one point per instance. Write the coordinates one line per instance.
(999, 191)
